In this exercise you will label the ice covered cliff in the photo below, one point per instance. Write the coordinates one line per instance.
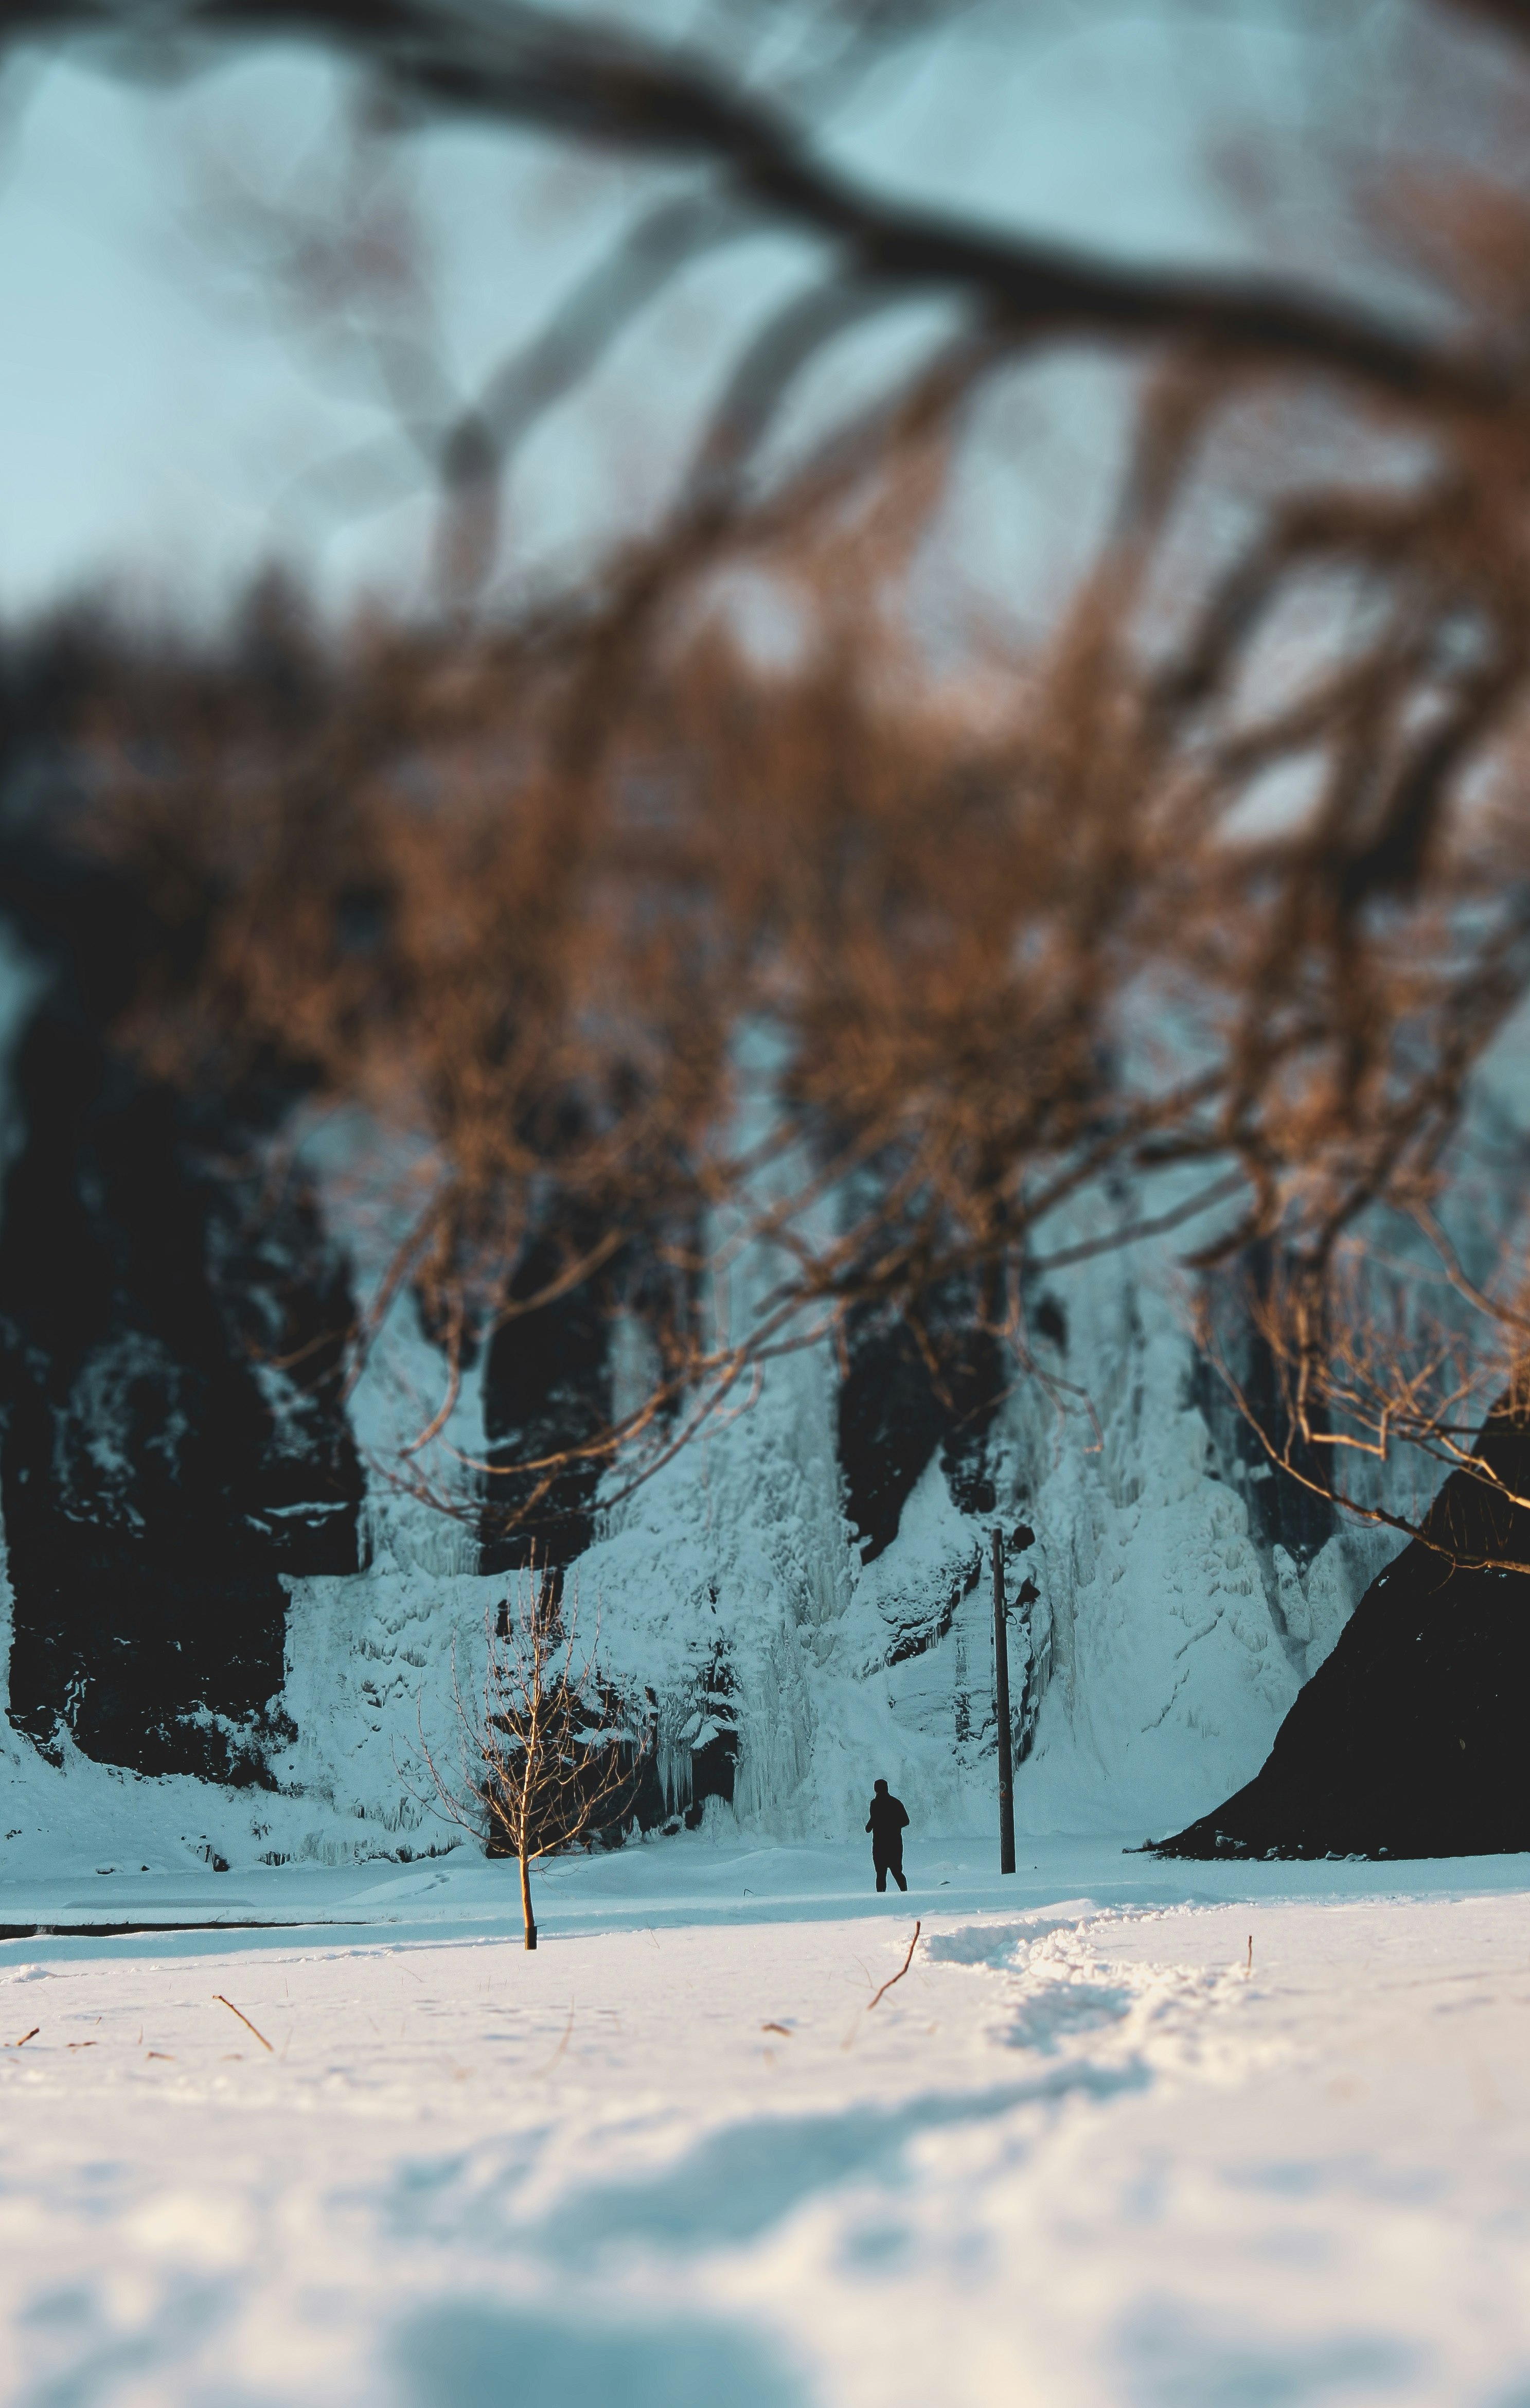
(219, 1615)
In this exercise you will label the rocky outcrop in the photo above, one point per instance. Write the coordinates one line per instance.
(173, 1442)
(1410, 1739)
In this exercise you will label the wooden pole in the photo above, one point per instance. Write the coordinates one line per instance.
(1001, 1667)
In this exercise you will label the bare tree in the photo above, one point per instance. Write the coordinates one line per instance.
(549, 1757)
(1400, 1389)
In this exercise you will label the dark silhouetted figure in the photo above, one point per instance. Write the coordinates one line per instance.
(887, 1825)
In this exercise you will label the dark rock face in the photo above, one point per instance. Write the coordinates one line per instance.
(546, 1388)
(158, 1470)
(1282, 1513)
(1410, 1740)
(896, 1409)
(549, 1388)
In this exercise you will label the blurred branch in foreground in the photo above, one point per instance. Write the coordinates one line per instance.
(1200, 914)
(742, 111)
(1376, 1374)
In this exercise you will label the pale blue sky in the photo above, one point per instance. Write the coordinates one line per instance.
(154, 414)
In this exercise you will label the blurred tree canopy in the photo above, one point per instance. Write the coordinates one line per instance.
(914, 983)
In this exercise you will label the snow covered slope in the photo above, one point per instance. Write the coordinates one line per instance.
(1081, 2154)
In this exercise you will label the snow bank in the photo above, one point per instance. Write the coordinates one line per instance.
(1078, 2154)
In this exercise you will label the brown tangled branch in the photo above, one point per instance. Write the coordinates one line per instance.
(1035, 976)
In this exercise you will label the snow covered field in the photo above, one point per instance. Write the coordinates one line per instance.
(1080, 2154)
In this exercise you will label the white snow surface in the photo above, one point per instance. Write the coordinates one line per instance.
(1085, 2152)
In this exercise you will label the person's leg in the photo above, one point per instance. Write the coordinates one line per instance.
(897, 1870)
(882, 1872)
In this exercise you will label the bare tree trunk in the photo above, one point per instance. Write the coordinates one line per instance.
(525, 1900)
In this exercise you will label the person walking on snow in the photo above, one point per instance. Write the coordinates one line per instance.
(887, 1825)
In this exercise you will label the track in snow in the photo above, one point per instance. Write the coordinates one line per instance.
(1081, 2155)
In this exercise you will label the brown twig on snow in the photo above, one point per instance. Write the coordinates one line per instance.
(220, 2000)
(902, 1969)
(568, 2034)
(25, 2037)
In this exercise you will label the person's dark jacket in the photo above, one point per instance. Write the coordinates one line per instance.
(888, 1822)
